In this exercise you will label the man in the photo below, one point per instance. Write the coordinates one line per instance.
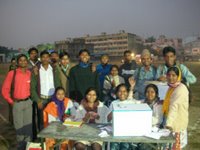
(43, 84)
(33, 66)
(128, 68)
(64, 69)
(147, 72)
(169, 55)
(54, 58)
(82, 77)
(33, 58)
(17, 84)
(103, 69)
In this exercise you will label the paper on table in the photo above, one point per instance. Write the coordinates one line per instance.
(159, 133)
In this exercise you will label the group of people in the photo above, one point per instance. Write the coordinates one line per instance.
(52, 89)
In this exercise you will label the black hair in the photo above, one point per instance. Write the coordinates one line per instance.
(21, 55)
(32, 49)
(119, 86)
(82, 51)
(155, 88)
(127, 51)
(92, 89)
(12, 59)
(168, 49)
(44, 53)
(59, 88)
(114, 66)
(104, 55)
(54, 52)
(64, 54)
(175, 69)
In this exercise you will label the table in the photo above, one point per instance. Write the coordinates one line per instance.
(89, 132)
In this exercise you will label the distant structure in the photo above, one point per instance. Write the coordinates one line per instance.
(112, 44)
(192, 50)
(162, 41)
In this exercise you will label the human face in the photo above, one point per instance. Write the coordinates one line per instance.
(170, 59)
(150, 94)
(84, 57)
(146, 60)
(104, 60)
(23, 62)
(91, 96)
(127, 57)
(114, 71)
(172, 77)
(60, 95)
(45, 59)
(33, 55)
(54, 57)
(65, 60)
(122, 93)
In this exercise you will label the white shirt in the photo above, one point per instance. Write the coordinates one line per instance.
(46, 81)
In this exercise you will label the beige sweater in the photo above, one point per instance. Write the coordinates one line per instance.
(178, 109)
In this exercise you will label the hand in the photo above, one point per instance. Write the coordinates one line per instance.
(132, 83)
(40, 105)
(35, 70)
(162, 78)
(168, 127)
(113, 83)
(95, 115)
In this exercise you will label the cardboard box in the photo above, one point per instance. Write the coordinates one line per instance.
(131, 119)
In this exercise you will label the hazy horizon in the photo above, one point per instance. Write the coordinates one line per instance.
(24, 22)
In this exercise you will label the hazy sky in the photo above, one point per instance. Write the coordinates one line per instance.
(31, 22)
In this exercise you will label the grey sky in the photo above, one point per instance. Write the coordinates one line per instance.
(31, 22)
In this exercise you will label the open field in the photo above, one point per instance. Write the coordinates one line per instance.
(194, 122)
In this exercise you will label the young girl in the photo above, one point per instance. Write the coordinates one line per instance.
(91, 110)
(123, 97)
(59, 109)
(110, 83)
(152, 99)
(175, 107)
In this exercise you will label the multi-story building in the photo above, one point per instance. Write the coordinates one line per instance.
(112, 44)
(192, 49)
(73, 46)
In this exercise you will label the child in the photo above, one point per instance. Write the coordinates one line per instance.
(91, 110)
(59, 109)
(110, 83)
(123, 97)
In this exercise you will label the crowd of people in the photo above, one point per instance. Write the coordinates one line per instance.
(51, 88)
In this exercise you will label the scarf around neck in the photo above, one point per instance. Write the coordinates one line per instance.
(170, 90)
(60, 107)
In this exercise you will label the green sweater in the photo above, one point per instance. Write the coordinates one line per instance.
(80, 80)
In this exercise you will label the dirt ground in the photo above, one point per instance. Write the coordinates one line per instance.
(194, 110)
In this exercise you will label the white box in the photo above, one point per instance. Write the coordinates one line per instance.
(131, 119)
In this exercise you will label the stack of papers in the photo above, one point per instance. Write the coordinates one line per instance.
(72, 123)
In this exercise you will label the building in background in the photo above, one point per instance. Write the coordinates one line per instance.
(112, 44)
(192, 50)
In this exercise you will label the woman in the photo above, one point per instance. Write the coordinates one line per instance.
(175, 107)
(59, 109)
(124, 96)
(91, 110)
(111, 81)
(153, 100)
